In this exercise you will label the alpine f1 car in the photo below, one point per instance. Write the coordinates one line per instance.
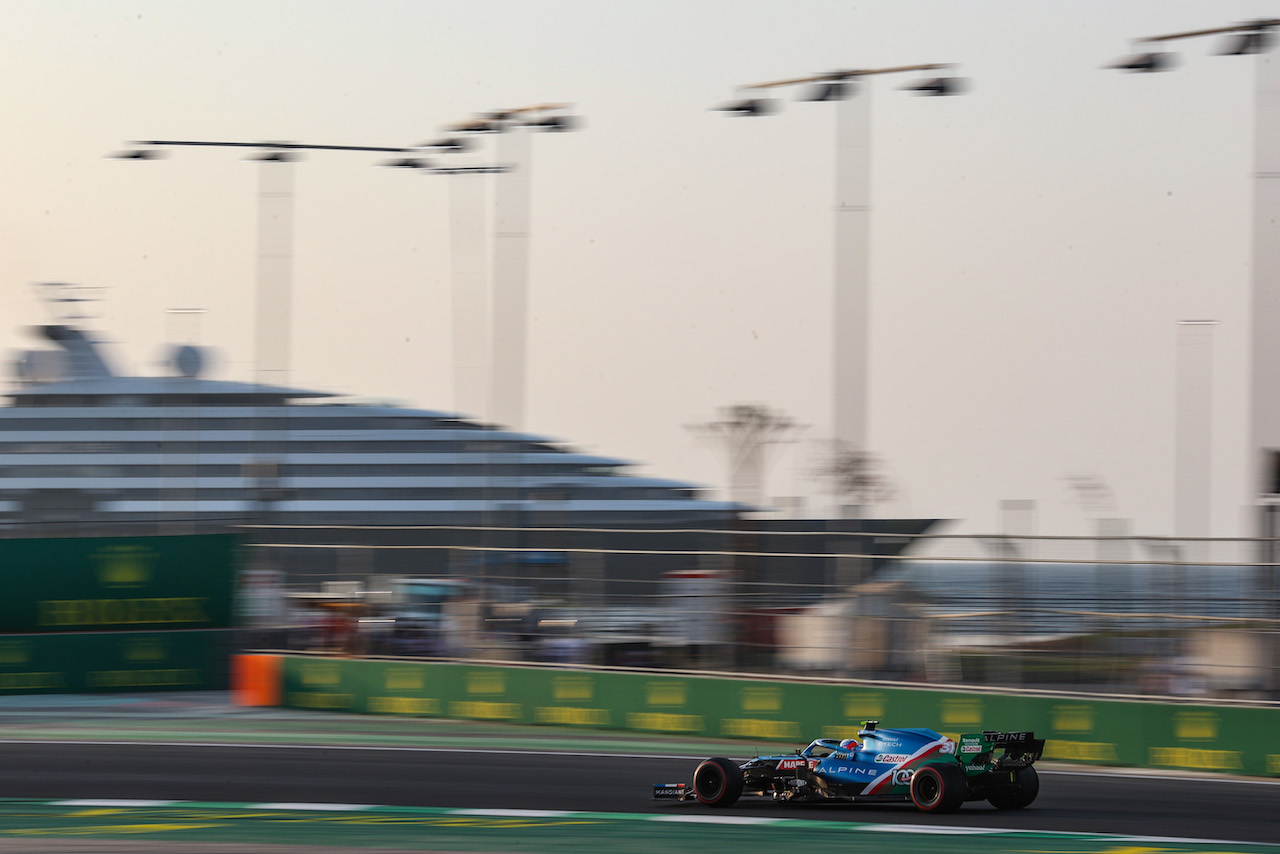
(932, 771)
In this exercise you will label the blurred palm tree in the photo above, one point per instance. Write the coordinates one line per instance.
(855, 476)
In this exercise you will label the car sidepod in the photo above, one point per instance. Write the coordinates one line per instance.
(892, 760)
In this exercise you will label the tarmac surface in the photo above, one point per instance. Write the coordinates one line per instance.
(192, 772)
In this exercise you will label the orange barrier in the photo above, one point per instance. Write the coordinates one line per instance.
(256, 680)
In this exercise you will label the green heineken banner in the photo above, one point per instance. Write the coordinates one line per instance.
(116, 583)
(1233, 739)
(92, 662)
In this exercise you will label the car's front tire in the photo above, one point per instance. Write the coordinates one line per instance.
(1026, 785)
(718, 782)
(938, 788)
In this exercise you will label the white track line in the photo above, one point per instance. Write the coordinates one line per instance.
(318, 807)
(116, 802)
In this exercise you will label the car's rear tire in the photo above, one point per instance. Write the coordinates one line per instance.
(718, 782)
(1025, 787)
(938, 788)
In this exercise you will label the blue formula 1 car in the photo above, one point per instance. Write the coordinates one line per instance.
(932, 771)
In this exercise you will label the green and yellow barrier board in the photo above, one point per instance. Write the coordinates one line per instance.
(95, 662)
(100, 584)
(1232, 739)
(106, 614)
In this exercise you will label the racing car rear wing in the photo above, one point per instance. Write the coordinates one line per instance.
(1020, 749)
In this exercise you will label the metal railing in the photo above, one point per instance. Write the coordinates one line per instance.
(1125, 615)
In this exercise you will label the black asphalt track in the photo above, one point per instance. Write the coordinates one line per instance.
(1080, 801)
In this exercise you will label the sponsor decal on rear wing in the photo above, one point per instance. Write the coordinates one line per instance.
(1019, 749)
(1018, 746)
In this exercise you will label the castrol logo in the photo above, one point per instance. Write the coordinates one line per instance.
(892, 758)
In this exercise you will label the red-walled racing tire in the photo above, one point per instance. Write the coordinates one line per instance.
(718, 782)
(938, 788)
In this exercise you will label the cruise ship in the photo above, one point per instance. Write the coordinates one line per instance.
(82, 445)
(330, 489)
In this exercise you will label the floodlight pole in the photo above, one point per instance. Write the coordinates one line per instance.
(505, 331)
(491, 318)
(276, 202)
(1255, 37)
(273, 317)
(851, 332)
(1264, 443)
(510, 327)
(1252, 37)
(850, 371)
(468, 250)
(273, 322)
(1265, 288)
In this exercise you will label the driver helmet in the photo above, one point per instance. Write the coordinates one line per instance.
(849, 744)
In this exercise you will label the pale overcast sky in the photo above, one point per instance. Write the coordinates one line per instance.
(1033, 243)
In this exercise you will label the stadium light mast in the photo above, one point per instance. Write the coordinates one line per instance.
(500, 324)
(273, 297)
(1249, 38)
(851, 333)
(273, 327)
(1253, 38)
